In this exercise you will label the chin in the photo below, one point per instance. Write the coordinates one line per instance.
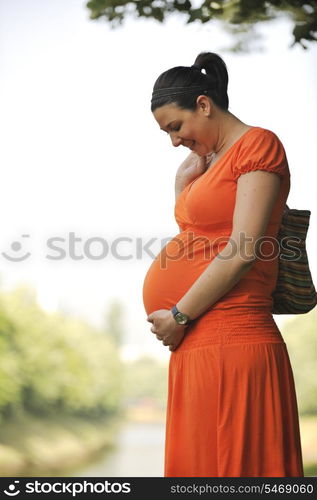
(199, 151)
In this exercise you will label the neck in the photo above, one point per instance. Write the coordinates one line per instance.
(229, 129)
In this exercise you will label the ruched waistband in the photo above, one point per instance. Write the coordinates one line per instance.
(236, 326)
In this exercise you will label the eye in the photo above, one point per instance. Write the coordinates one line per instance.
(176, 128)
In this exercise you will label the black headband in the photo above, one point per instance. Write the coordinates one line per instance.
(170, 91)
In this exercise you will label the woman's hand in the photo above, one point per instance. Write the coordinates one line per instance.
(166, 329)
(193, 166)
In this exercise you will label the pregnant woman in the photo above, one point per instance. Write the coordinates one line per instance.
(231, 407)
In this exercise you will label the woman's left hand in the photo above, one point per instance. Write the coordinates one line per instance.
(166, 329)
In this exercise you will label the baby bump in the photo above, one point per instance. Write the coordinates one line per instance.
(175, 269)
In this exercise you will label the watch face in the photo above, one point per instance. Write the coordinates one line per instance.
(181, 318)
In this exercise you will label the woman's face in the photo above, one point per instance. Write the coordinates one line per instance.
(187, 128)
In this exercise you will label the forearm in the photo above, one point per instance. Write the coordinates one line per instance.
(215, 281)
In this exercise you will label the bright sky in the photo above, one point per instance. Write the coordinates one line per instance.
(82, 156)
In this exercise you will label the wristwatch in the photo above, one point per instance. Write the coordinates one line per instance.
(180, 318)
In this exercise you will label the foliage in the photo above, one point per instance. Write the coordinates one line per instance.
(300, 335)
(10, 377)
(146, 378)
(51, 363)
(113, 322)
(236, 15)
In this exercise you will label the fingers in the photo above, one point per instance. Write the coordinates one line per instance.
(165, 342)
(159, 337)
(153, 330)
(209, 158)
(162, 339)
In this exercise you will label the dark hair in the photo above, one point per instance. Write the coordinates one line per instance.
(179, 80)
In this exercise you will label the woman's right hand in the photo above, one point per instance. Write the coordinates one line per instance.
(191, 168)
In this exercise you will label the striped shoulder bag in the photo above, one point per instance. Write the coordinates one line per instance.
(294, 292)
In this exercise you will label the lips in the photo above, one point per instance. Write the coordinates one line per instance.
(189, 144)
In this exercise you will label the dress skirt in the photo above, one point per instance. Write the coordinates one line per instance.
(232, 408)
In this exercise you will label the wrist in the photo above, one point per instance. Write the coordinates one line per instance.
(180, 317)
(185, 309)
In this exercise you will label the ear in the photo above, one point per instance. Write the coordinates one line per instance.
(204, 105)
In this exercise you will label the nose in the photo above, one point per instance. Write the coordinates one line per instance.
(176, 141)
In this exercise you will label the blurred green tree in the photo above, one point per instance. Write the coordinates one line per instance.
(238, 16)
(145, 378)
(50, 363)
(300, 335)
(10, 376)
(113, 325)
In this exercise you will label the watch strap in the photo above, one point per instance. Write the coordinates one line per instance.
(174, 311)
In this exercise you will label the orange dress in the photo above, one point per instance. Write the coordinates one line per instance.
(231, 408)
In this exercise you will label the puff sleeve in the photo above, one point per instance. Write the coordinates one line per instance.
(262, 151)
